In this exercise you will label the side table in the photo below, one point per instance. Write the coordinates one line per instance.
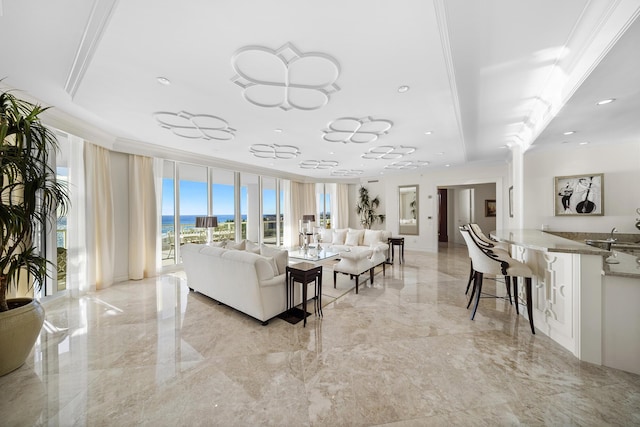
(304, 273)
(397, 241)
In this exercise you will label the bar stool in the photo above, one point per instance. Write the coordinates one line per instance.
(490, 261)
(488, 244)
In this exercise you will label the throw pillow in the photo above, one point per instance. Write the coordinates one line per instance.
(238, 246)
(353, 239)
(360, 235)
(338, 237)
(217, 244)
(273, 264)
(371, 237)
(281, 258)
(252, 247)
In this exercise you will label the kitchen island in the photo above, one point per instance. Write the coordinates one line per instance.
(589, 313)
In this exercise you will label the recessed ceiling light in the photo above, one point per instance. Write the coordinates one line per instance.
(584, 142)
(440, 153)
(403, 89)
(569, 132)
(278, 130)
(163, 81)
(605, 101)
(447, 165)
(429, 132)
(331, 152)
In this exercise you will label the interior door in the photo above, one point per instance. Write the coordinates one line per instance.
(443, 235)
(463, 210)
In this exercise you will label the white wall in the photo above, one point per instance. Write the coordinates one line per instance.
(429, 181)
(620, 164)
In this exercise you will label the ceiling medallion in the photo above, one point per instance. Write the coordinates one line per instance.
(407, 164)
(346, 172)
(195, 126)
(285, 78)
(274, 151)
(387, 152)
(318, 164)
(358, 131)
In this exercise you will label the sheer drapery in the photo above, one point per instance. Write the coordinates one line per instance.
(100, 216)
(76, 236)
(340, 209)
(143, 218)
(300, 200)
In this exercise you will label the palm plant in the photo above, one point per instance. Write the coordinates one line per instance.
(366, 208)
(29, 192)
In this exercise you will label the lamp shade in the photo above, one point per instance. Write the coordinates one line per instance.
(306, 218)
(206, 221)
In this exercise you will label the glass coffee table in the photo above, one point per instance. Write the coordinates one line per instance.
(312, 255)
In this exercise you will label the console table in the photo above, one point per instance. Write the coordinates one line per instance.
(304, 273)
(393, 242)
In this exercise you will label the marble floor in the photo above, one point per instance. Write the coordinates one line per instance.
(402, 352)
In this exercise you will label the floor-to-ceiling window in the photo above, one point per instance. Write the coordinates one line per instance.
(193, 202)
(249, 206)
(223, 204)
(323, 202)
(269, 211)
(168, 213)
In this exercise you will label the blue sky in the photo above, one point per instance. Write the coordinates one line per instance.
(193, 199)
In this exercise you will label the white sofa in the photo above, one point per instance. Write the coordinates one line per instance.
(346, 239)
(243, 279)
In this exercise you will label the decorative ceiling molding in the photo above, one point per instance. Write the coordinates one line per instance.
(407, 164)
(285, 78)
(358, 131)
(318, 164)
(274, 151)
(387, 152)
(96, 25)
(346, 172)
(195, 126)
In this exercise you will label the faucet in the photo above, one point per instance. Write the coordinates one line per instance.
(611, 238)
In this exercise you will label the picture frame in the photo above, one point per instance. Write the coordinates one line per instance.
(490, 208)
(511, 202)
(579, 195)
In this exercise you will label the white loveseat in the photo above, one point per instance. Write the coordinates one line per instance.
(249, 282)
(346, 239)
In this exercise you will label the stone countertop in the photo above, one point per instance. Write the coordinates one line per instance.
(628, 266)
(546, 242)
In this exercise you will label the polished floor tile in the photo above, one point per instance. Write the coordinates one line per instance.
(402, 352)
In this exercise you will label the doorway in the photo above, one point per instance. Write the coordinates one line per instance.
(443, 235)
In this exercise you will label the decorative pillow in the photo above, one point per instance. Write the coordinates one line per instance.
(360, 235)
(353, 239)
(273, 264)
(338, 237)
(326, 235)
(280, 257)
(371, 237)
(218, 244)
(249, 246)
(238, 246)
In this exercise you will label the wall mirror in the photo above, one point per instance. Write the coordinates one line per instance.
(408, 217)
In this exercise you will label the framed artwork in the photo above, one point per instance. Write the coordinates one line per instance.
(511, 202)
(579, 195)
(489, 208)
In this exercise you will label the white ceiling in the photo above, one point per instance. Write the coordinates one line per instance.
(482, 76)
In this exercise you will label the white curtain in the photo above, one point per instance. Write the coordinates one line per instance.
(143, 218)
(99, 216)
(76, 236)
(340, 209)
(300, 200)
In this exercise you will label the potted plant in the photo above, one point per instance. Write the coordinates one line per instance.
(29, 194)
(366, 208)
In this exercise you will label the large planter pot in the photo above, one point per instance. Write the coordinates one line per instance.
(19, 329)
